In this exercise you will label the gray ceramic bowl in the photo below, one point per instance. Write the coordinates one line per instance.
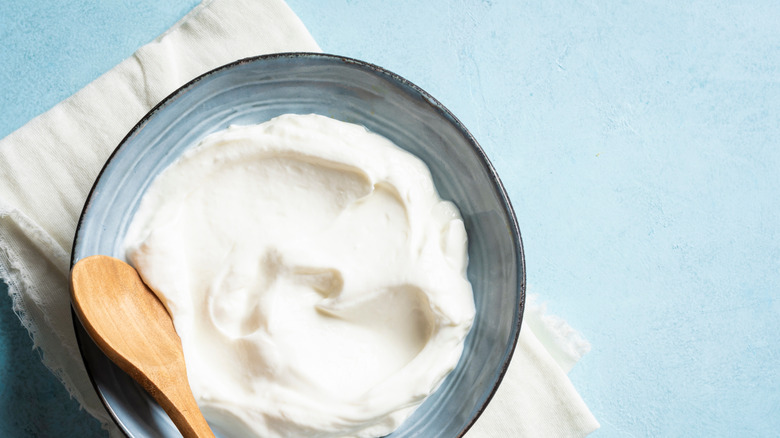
(257, 89)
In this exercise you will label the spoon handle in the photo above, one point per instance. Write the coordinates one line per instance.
(177, 401)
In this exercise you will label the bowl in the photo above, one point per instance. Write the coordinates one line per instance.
(257, 89)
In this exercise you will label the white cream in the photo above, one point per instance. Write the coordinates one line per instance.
(316, 279)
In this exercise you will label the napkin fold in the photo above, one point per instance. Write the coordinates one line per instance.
(48, 166)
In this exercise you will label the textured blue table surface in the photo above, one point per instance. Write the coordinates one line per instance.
(638, 142)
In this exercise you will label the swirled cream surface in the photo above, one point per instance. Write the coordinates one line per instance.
(316, 279)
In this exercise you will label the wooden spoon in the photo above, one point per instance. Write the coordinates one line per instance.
(132, 327)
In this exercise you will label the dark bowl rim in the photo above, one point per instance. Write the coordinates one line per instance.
(438, 106)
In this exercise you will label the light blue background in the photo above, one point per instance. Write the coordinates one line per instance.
(638, 142)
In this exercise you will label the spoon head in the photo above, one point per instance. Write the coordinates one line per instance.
(125, 318)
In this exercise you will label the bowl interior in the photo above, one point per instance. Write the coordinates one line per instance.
(257, 89)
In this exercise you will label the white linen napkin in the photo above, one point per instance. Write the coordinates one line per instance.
(47, 168)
